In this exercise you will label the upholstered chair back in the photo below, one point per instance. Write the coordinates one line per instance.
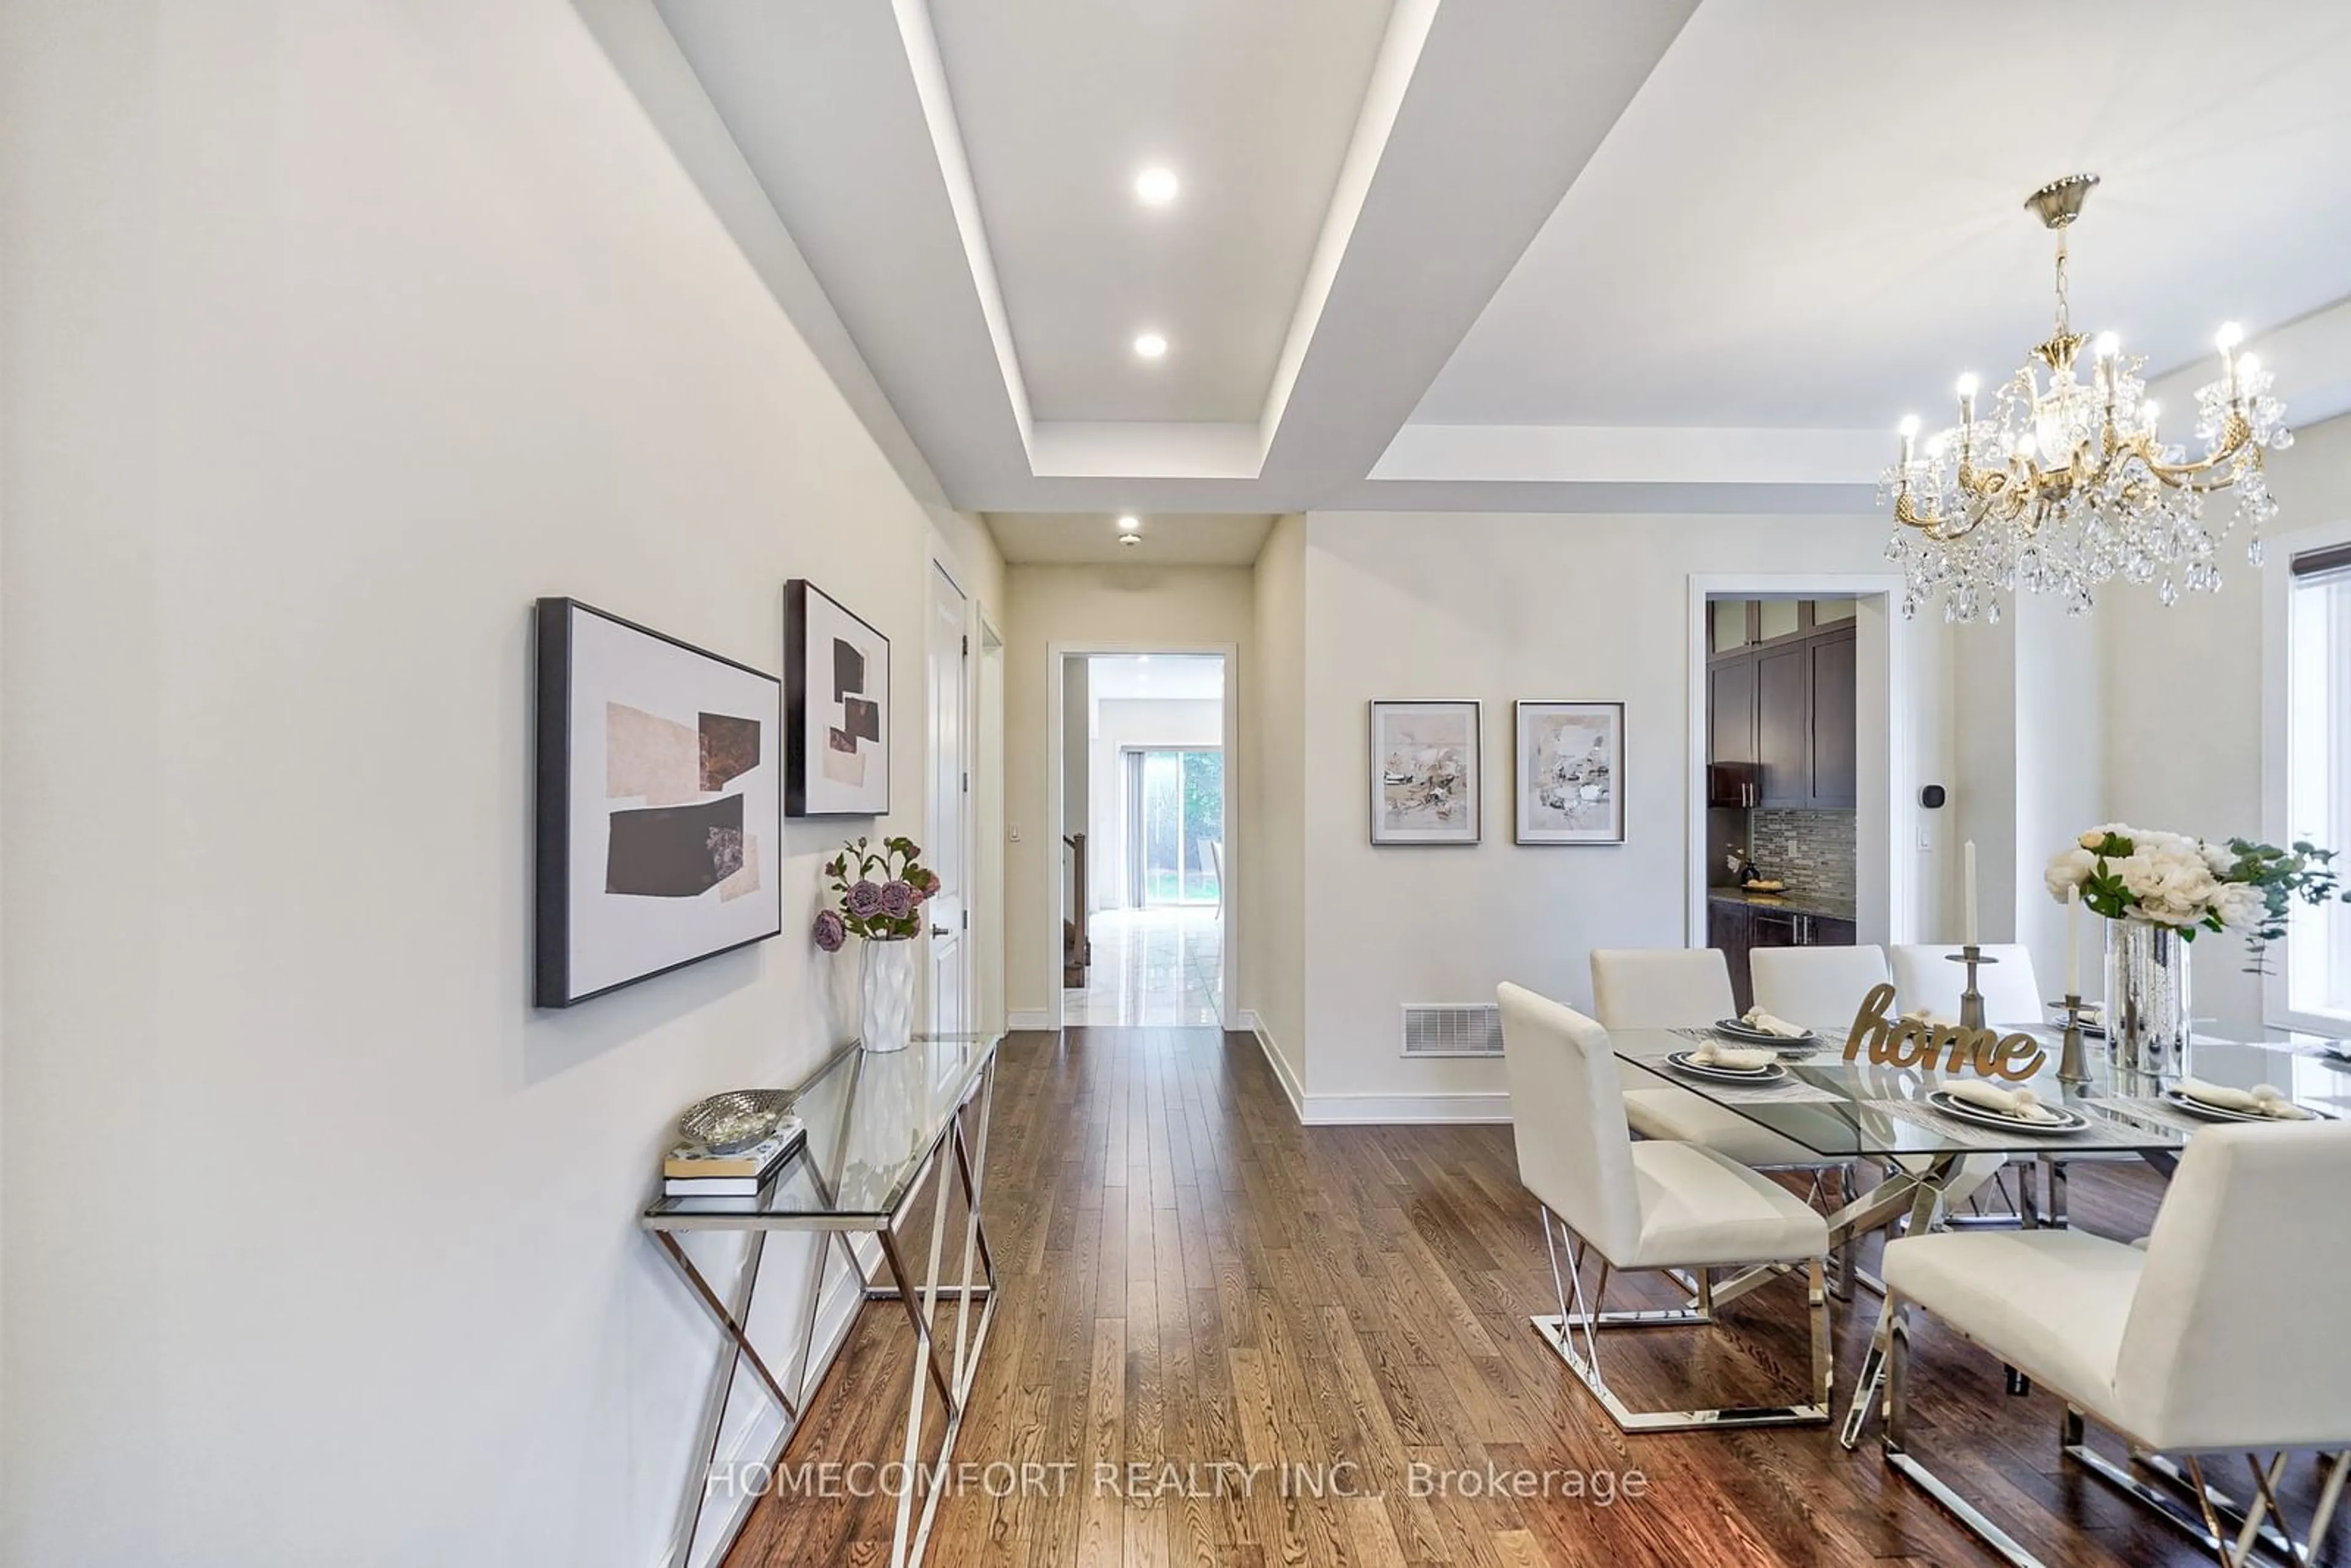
(1660, 987)
(1567, 1118)
(1821, 988)
(1924, 977)
(2235, 1335)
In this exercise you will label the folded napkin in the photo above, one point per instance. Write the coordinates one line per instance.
(1731, 1056)
(1757, 1019)
(2261, 1100)
(2021, 1103)
(1935, 1020)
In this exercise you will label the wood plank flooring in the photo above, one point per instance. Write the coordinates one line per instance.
(1195, 1285)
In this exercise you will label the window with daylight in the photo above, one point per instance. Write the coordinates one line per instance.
(2318, 768)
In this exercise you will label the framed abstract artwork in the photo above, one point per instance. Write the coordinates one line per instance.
(1569, 772)
(1426, 775)
(836, 708)
(660, 796)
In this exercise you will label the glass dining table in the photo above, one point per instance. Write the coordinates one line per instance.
(1857, 1111)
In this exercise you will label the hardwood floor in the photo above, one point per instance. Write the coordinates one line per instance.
(1192, 1281)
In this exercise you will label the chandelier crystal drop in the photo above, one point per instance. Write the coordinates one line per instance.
(2064, 485)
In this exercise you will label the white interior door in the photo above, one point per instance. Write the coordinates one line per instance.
(946, 656)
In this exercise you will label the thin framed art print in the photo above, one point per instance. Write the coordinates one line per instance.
(1568, 772)
(836, 708)
(1426, 775)
(660, 825)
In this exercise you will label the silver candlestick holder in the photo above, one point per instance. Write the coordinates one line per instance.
(1971, 1003)
(2073, 1061)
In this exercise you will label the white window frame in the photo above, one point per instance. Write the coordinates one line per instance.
(2277, 610)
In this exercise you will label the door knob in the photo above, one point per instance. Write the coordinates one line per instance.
(939, 931)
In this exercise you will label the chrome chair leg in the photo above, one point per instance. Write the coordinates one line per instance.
(1575, 1335)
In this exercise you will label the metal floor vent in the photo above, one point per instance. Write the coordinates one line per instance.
(1467, 1030)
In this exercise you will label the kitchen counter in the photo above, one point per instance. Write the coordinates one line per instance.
(1795, 901)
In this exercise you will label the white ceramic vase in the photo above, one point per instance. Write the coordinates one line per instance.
(887, 1021)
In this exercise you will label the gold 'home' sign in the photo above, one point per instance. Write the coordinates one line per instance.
(1918, 1042)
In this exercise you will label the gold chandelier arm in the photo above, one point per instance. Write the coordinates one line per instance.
(2235, 437)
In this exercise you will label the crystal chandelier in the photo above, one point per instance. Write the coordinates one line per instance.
(2065, 484)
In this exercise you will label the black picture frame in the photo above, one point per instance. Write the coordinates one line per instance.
(804, 601)
(553, 766)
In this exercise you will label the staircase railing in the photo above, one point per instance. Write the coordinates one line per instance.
(1077, 948)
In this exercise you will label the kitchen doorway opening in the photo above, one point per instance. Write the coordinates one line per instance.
(1802, 766)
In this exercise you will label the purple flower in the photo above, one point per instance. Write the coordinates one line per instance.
(865, 900)
(831, 934)
(897, 900)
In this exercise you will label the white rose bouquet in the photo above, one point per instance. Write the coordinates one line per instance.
(2172, 880)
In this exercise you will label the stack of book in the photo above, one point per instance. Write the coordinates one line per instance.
(690, 1170)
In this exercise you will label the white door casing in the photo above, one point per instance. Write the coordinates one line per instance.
(947, 654)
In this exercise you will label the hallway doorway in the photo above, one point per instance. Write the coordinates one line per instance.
(1143, 804)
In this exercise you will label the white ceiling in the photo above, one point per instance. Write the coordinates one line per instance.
(1862, 238)
(1170, 539)
(1156, 676)
(1062, 101)
(1509, 254)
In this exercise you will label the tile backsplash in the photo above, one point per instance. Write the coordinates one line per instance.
(1811, 852)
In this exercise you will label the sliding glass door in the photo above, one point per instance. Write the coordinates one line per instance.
(1174, 826)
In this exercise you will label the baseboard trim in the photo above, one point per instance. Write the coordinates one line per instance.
(1402, 1110)
(1029, 1018)
(1248, 1019)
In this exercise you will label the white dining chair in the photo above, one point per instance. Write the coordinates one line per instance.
(1822, 988)
(1819, 988)
(1685, 987)
(1924, 977)
(2215, 1338)
(1654, 1206)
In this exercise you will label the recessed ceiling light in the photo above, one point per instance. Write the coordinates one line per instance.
(1156, 186)
(1151, 345)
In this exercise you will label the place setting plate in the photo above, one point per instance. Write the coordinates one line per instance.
(2180, 1100)
(1686, 1062)
(2066, 1120)
(1740, 1032)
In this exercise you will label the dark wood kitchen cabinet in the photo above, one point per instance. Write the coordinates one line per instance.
(1789, 708)
(1830, 703)
(1784, 728)
(1730, 710)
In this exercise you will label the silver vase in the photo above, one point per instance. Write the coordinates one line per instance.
(887, 1022)
(2149, 1021)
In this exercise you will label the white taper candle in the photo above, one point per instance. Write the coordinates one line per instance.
(1970, 875)
(2074, 940)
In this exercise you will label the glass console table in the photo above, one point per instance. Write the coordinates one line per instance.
(878, 1126)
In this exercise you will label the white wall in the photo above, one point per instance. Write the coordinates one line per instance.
(1272, 896)
(335, 335)
(1138, 607)
(2183, 698)
(1120, 724)
(2061, 783)
(1499, 607)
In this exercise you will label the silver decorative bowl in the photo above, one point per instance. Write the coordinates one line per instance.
(730, 1122)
